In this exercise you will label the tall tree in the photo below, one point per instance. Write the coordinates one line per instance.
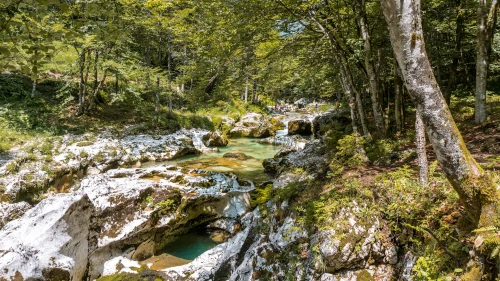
(486, 19)
(474, 187)
(373, 80)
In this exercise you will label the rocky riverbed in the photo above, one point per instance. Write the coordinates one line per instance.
(101, 212)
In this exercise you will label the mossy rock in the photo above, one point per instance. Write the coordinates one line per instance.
(364, 275)
(146, 275)
(237, 155)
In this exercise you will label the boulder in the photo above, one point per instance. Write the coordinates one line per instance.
(277, 123)
(214, 138)
(313, 158)
(144, 209)
(237, 155)
(123, 212)
(337, 120)
(300, 127)
(9, 212)
(297, 142)
(80, 154)
(381, 272)
(253, 125)
(365, 242)
(49, 242)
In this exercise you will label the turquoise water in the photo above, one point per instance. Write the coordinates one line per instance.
(193, 244)
(250, 169)
(190, 246)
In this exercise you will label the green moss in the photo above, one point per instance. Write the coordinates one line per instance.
(473, 274)
(364, 275)
(84, 143)
(130, 277)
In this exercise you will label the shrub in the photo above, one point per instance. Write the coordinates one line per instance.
(349, 150)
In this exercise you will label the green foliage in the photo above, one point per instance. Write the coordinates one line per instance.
(168, 205)
(381, 148)
(349, 150)
(427, 268)
(261, 195)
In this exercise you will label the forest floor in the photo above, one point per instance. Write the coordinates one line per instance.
(483, 141)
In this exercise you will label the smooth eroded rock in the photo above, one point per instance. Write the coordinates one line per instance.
(300, 127)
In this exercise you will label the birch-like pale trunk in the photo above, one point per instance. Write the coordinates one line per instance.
(475, 188)
(81, 85)
(157, 101)
(352, 105)
(246, 89)
(421, 151)
(398, 99)
(370, 69)
(486, 19)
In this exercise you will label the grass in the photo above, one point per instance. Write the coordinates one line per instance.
(10, 138)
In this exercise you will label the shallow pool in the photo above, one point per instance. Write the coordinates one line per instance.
(191, 245)
(250, 169)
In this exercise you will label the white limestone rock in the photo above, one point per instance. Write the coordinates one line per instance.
(9, 212)
(50, 240)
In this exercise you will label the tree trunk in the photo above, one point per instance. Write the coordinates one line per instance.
(157, 102)
(184, 70)
(96, 81)
(170, 107)
(421, 152)
(475, 188)
(456, 54)
(370, 69)
(95, 95)
(117, 84)
(34, 74)
(486, 19)
(352, 105)
(81, 86)
(346, 80)
(246, 90)
(361, 112)
(398, 99)
(33, 89)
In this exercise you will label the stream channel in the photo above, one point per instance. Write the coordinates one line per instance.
(191, 245)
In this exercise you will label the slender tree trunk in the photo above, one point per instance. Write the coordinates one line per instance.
(81, 86)
(33, 89)
(169, 79)
(486, 19)
(475, 188)
(370, 69)
(398, 99)
(170, 107)
(246, 89)
(346, 80)
(96, 69)
(97, 89)
(456, 54)
(117, 84)
(184, 70)
(254, 88)
(157, 101)
(421, 152)
(92, 98)
(352, 105)
(361, 110)
(35, 74)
